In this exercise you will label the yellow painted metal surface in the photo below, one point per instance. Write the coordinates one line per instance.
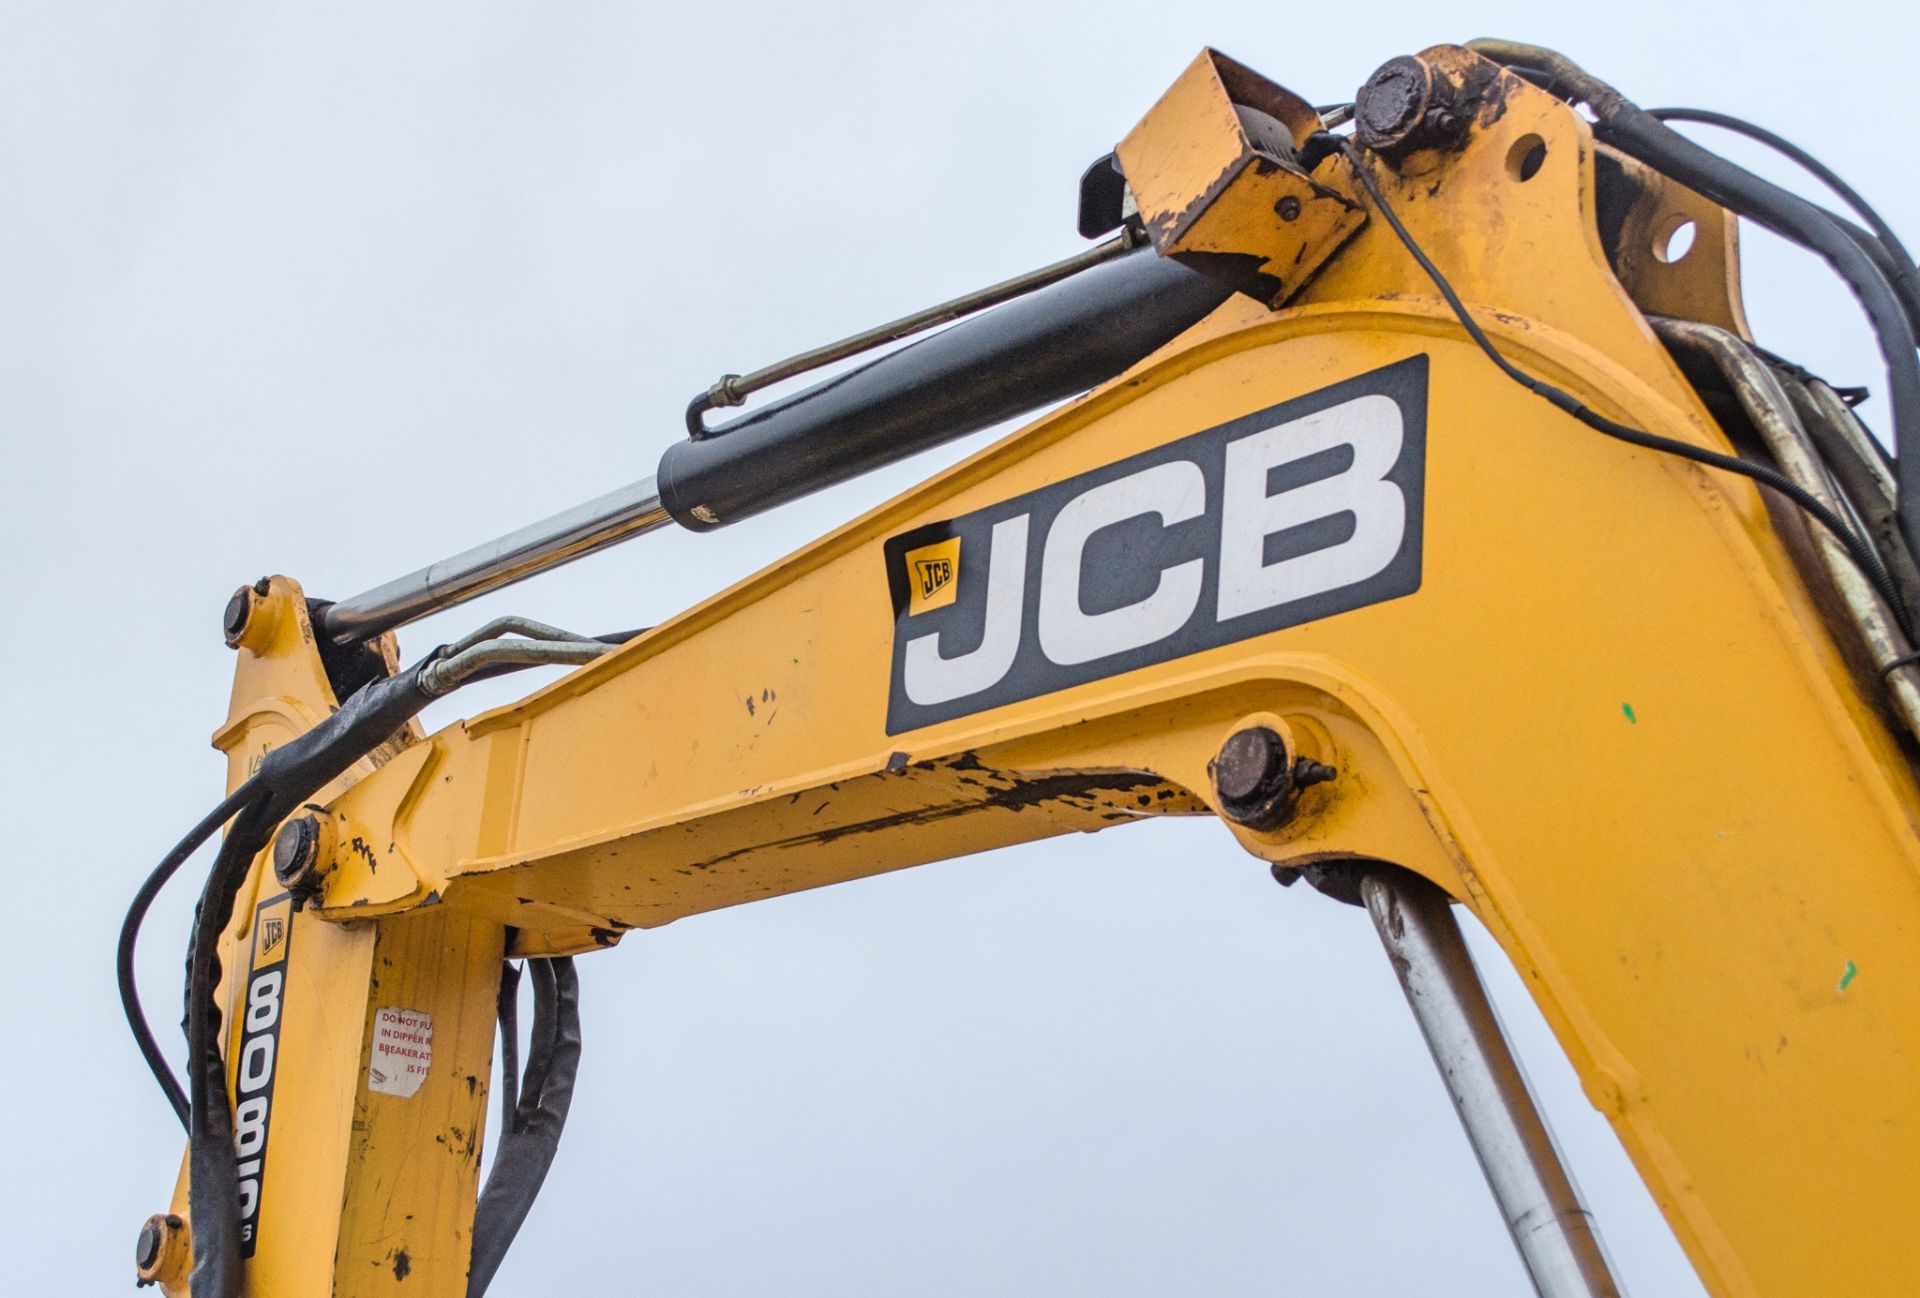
(358, 1191)
(1213, 170)
(1609, 720)
(1703, 283)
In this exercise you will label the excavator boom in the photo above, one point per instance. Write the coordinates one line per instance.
(1348, 546)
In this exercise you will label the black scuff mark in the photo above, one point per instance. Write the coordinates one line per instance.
(364, 851)
(897, 761)
(1015, 795)
(749, 705)
(402, 1264)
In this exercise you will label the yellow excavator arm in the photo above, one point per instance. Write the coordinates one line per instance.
(1429, 522)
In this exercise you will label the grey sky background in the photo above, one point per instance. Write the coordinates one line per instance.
(335, 291)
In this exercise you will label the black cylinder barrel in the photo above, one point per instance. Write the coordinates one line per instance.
(1051, 344)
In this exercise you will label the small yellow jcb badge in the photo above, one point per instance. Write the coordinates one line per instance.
(270, 932)
(931, 573)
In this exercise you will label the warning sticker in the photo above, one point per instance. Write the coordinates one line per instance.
(402, 1051)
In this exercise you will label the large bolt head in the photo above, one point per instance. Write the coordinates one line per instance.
(233, 623)
(1253, 776)
(160, 1252)
(296, 848)
(146, 1249)
(1392, 103)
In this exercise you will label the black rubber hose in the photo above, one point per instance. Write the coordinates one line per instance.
(213, 1168)
(528, 1148)
(1629, 128)
(130, 938)
(287, 777)
(1898, 263)
(508, 1006)
(1864, 556)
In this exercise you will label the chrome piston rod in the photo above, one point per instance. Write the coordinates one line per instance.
(600, 522)
(1073, 326)
(1555, 1234)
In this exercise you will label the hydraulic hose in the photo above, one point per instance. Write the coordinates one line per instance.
(1637, 133)
(287, 777)
(530, 1135)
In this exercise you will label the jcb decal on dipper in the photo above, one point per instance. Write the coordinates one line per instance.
(1296, 512)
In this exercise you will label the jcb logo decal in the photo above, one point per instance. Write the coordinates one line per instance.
(932, 569)
(1294, 513)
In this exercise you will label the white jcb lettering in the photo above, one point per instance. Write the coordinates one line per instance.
(1219, 536)
(930, 678)
(1373, 427)
(1175, 491)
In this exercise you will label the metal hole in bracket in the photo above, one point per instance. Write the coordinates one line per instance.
(1674, 239)
(1526, 157)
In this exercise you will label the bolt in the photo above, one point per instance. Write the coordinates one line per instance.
(157, 1251)
(1258, 781)
(1288, 208)
(1253, 774)
(146, 1249)
(239, 613)
(1307, 773)
(296, 850)
(1388, 108)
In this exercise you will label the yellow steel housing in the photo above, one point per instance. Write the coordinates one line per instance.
(1214, 172)
(1610, 721)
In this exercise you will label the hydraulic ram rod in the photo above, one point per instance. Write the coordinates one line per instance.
(601, 522)
(1554, 1232)
(1054, 343)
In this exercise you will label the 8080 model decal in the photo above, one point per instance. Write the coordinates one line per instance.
(259, 1025)
(1296, 512)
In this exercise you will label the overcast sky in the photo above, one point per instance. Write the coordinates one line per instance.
(332, 293)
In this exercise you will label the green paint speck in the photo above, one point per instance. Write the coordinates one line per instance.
(1848, 976)
(1626, 710)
